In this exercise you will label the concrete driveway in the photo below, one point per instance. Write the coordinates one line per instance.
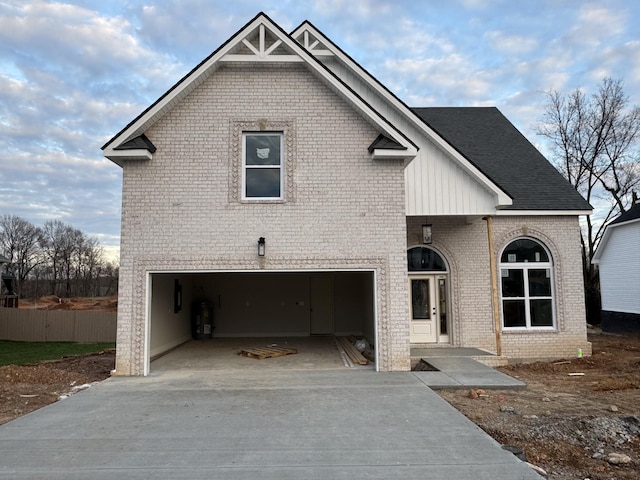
(182, 424)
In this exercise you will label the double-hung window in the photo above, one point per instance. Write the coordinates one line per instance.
(526, 285)
(262, 166)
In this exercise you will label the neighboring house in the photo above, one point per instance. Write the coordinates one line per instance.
(618, 261)
(294, 191)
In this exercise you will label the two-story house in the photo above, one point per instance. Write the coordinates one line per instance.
(283, 182)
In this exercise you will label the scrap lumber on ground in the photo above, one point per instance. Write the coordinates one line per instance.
(352, 352)
(266, 352)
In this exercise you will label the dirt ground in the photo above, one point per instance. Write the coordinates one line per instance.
(566, 424)
(52, 302)
(24, 389)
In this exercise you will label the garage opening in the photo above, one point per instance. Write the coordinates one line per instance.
(308, 309)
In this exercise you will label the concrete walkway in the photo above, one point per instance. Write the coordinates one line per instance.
(184, 424)
(465, 372)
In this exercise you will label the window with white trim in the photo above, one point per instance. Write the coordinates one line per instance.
(262, 166)
(526, 286)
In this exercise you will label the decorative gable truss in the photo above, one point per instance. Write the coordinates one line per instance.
(260, 40)
(260, 45)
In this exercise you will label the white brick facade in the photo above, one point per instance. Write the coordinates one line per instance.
(342, 210)
(465, 246)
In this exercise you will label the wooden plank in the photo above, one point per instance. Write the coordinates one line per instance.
(343, 355)
(352, 352)
(266, 352)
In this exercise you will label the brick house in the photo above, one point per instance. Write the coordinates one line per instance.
(284, 183)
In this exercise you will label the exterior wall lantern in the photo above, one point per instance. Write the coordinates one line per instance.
(261, 247)
(426, 234)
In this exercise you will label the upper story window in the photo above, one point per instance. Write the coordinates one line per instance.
(262, 166)
(526, 285)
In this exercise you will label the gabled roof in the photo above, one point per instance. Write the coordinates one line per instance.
(630, 216)
(260, 40)
(321, 46)
(493, 144)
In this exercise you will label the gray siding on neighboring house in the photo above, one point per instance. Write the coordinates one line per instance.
(182, 210)
(619, 267)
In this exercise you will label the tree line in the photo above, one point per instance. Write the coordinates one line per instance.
(55, 259)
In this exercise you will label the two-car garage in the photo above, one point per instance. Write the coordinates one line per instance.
(260, 304)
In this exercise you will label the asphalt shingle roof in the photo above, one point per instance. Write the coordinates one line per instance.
(485, 137)
(632, 214)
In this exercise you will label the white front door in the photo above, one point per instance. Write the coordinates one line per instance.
(424, 324)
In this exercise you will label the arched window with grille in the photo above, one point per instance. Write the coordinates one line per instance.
(526, 286)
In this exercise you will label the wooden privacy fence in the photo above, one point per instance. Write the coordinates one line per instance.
(83, 326)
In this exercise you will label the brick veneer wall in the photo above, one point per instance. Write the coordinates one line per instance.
(183, 210)
(465, 247)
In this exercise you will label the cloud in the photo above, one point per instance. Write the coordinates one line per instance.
(73, 73)
(69, 78)
(512, 44)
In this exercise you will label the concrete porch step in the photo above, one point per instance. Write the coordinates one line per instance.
(462, 368)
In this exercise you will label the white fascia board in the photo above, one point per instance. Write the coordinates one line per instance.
(502, 198)
(394, 154)
(349, 95)
(605, 238)
(598, 253)
(197, 76)
(542, 213)
(118, 156)
(185, 85)
(601, 245)
(633, 220)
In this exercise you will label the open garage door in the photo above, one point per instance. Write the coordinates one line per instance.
(261, 304)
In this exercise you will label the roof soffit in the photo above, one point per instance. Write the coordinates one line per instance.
(261, 40)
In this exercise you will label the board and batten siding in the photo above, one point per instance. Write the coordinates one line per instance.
(434, 184)
(620, 269)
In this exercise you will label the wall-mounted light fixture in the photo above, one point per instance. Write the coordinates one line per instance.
(426, 234)
(261, 247)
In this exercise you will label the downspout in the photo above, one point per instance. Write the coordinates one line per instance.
(494, 287)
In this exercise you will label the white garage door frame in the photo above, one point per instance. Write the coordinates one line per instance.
(149, 290)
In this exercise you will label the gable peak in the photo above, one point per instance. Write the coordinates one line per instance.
(261, 40)
(309, 37)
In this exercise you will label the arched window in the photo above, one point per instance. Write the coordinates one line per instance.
(526, 273)
(423, 259)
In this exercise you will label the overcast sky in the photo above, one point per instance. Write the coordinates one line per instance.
(73, 74)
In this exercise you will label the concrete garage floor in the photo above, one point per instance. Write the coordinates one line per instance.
(314, 353)
(455, 369)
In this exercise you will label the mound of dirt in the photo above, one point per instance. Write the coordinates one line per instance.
(52, 302)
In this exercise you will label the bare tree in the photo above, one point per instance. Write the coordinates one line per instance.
(19, 243)
(594, 140)
(57, 255)
(58, 243)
